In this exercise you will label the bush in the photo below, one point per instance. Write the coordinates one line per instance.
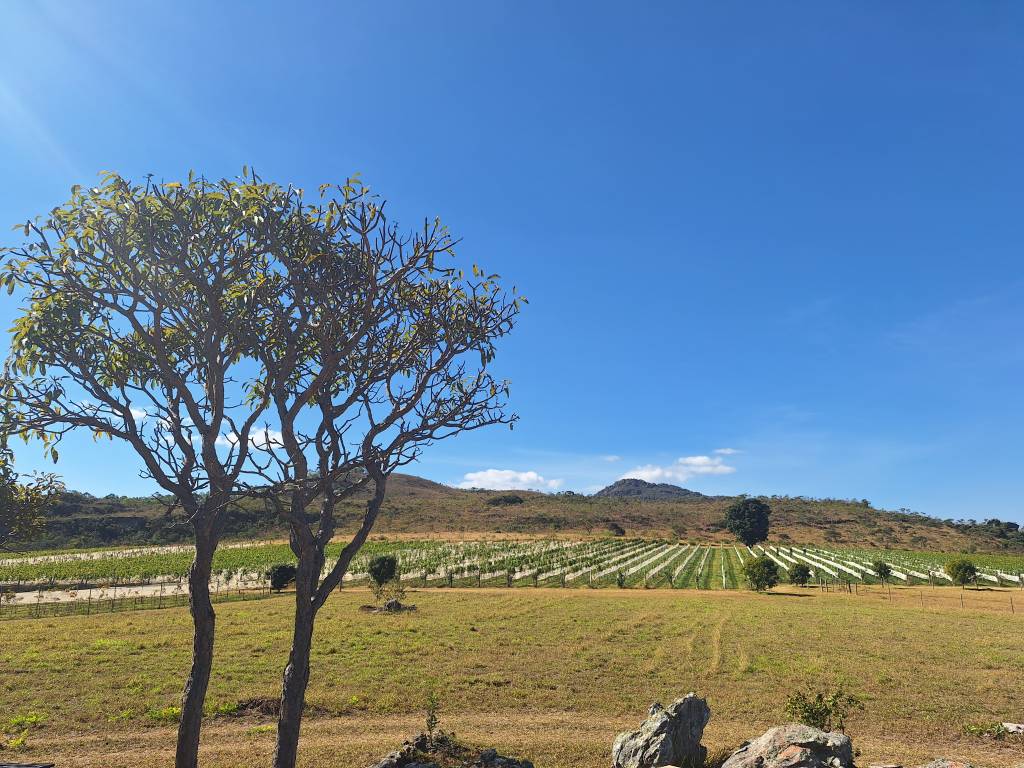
(620, 580)
(281, 575)
(747, 520)
(799, 574)
(616, 530)
(820, 710)
(761, 573)
(882, 570)
(507, 500)
(962, 571)
(165, 714)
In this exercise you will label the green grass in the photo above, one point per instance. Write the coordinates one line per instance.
(548, 673)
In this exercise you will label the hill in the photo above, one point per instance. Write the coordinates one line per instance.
(418, 506)
(633, 488)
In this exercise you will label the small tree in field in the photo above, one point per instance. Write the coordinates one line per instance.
(799, 574)
(281, 575)
(382, 570)
(748, 519)
(882, 570)
(962, 571)
(761, 573)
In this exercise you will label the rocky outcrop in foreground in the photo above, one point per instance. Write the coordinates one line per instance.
(667, 737)
(788, 746)
(670, 738)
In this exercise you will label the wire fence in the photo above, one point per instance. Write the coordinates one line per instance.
(89, 606)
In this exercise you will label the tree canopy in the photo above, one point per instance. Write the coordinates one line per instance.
(748, 520)
(962, 571)
(23, 500)
(245, 340)
(882, 570)
(799, 574)
(761, 573)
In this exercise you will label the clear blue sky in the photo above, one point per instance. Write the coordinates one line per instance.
(792, 230)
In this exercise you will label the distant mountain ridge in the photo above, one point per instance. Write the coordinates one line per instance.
(634, 488)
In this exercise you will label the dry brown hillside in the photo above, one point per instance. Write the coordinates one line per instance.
(418, 506)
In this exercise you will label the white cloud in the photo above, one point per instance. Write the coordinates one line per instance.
(508, 479)
(682, 469)
(263, 439)
(727, 451)
(611, 458)
(138, 414)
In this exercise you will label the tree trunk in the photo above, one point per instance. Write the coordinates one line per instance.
(296, 674)
(203, 619)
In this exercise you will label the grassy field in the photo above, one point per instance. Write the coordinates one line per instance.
(549, 674)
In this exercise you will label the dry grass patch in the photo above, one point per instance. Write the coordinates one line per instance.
(547, 674)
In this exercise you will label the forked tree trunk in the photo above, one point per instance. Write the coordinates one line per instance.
(296, 674)
(307, 603)
(203, 619)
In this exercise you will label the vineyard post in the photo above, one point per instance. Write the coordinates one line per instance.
(1011, 604)
(961, 599)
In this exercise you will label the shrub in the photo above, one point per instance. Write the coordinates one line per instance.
(882, 570)
(281, 575)
(506, 500)
(747, 520)
(620, 580)
(820, 710)
(799, 574)
(761, 573)
(165, 714)
(962, 571)
(433, 705)
(616, 530)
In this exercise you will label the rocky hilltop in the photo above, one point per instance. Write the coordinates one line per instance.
(632, 488)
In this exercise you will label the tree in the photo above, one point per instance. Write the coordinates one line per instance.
(144, 304)
(748, 519)
(799, 574)
(882, 570)
(281, 575)
(373, 349)
(23, 501)
(962, 571)
(382, 569)
(761, 573)
(203, 322)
